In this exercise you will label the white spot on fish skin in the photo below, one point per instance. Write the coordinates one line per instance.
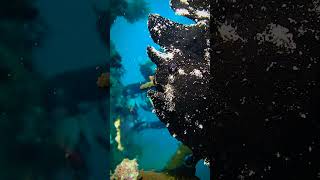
(184, 2)
(207, 52)
(251, 172)
(181, 72)
(197, 73)
(295, 68)
(316, 4)
(228, 33)
(168, 55)
(182, 12)
(171, 78)
(187, 117)
(243, 100)
(303, 115)
(263, 8)
(169, 96)
(203, 14)
(292, 20)
(277, 35)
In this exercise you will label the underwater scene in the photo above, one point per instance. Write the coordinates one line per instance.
(54, 114)
(159, 90)
(143, 137)
(73, 92)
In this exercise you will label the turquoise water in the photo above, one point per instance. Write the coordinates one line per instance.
(131, 41)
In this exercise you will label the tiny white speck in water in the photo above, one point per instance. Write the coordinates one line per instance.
(197, 73)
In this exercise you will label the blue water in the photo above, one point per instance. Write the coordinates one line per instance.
(131, 41)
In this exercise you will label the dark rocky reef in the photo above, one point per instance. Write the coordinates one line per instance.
(254, 114)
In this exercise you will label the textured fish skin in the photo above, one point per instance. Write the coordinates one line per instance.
(182, 76)
(241, 86)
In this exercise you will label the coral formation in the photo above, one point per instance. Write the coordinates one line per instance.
(126, 170)
(117, 124)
